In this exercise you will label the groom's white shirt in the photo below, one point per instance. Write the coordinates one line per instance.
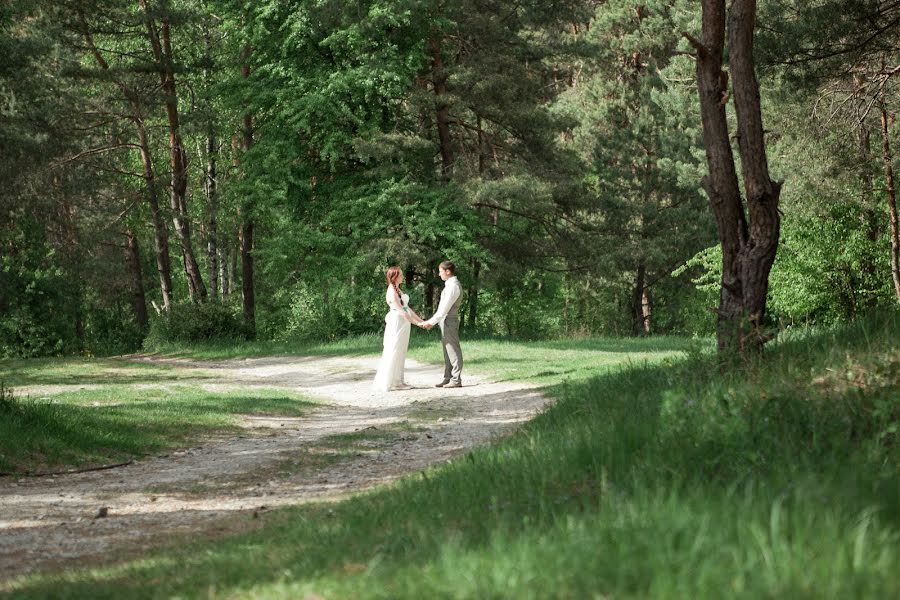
(449, 295)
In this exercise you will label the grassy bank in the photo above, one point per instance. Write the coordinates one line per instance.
(666, 478)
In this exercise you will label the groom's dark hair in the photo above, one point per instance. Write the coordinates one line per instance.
(448, 266)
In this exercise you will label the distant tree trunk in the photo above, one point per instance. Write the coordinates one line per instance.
(138, 296)
(442, 109)
(892, 199)
(647, 309)
(640, 300)
(473, 294)
(161, 43)
(748, 251)
(160, 230)
(212, 209)
(247, 287)
(224, 270)
(428, 301)
(211, 187)
(863, 139)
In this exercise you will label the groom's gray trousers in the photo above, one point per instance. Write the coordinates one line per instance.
(453, 358)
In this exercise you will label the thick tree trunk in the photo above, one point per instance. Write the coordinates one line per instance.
(161, 43)
(442, 109)
(138, 296)
(892, 200)
(748, 251)
(763, 194)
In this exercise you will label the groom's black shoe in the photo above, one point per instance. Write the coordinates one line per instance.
(441, 384)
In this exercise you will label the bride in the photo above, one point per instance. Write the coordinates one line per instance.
(396, 335)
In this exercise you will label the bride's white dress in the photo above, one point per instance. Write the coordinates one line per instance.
(396, 341)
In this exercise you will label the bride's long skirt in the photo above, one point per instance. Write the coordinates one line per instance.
(396, 341)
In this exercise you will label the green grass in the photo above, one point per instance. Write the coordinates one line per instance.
(664, 478)
(117, 422)
(86, 371)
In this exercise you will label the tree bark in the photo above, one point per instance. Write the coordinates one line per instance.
(161, 43)
(891, 198)
(748, 251)
(442, 109)
(763, 194)
(138, 296)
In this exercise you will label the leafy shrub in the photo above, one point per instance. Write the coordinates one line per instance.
(189, 322)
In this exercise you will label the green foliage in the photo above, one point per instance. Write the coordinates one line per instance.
(35, 291)
(191, 322)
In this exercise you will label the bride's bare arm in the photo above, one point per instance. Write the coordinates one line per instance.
(413, 317)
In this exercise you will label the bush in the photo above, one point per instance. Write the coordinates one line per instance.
(189, 322)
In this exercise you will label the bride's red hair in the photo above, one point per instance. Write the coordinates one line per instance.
(393, 274)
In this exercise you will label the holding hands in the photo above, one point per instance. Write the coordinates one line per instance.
(425, 325)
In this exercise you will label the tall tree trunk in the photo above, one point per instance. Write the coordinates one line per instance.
(748, 251)
(892, 199)
(160, 230)
(763, 194)
(161, 43)
(247, 284)
(442, 109)
(212, 210)
(138, 297)
(211, 187)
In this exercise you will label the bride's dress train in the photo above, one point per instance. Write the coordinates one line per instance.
(396, 341)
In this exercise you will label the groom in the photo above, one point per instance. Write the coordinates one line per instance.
(447, 316)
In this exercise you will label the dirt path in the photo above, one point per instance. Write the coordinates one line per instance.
(357, 439)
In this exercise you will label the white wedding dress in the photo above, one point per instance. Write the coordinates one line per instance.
(396, 341)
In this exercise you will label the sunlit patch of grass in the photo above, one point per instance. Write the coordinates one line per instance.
(86, 371)
(116, 422)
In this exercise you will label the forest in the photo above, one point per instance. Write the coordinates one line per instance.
(674, 370)
(189, 170)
